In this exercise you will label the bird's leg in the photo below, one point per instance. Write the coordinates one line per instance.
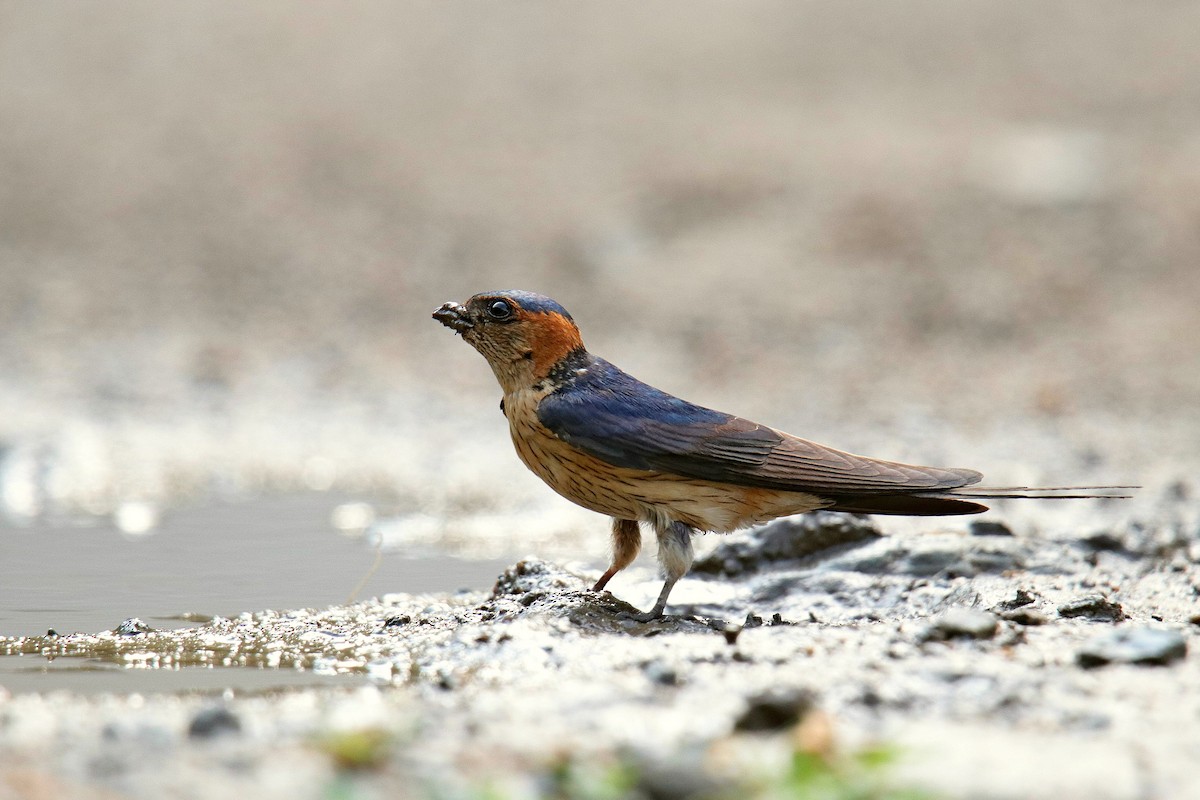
(675, 554)
(627, 540)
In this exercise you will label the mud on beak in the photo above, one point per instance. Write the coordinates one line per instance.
(454, 316)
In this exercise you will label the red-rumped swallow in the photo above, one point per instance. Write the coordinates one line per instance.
(612, 444)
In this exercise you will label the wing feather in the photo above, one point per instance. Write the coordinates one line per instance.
(618, 419)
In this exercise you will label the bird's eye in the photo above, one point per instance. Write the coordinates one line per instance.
(499, 309)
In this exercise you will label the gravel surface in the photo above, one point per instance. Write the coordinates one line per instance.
(477, 689)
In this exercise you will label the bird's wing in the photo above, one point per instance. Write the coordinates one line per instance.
(618, 419)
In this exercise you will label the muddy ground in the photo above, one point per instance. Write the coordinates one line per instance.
(989, 665)
(964, 236)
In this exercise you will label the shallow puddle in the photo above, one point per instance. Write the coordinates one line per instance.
(215, 560)
(34, 673)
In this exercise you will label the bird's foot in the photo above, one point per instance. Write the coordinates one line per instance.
(646, 616)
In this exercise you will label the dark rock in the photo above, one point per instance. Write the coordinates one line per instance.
(988, 527)
(774, 710)
(963, 623)
(1133, 646)
(1094, 607)
(212, 722)
(785, 540)
(132, 627)
(731, 632)
(1021, 598)
(1104, 540)
(1024, 616)
(1194, 619)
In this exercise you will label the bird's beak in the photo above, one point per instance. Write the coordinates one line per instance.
(454, 316)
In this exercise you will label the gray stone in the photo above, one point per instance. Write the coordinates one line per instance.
(212, 722)
(968, 623)
(132, 627)
(989, 527)
(1024, 616)
(785, 540)
(1133, 646)
(1095, 607)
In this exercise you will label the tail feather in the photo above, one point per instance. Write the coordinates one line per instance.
(1043, 492)
(962, 500)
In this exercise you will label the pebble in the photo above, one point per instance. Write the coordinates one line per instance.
(1096, 607)
(212, 722)
(785, 540)
(989, 527)
(969, 623)
(662, 674)
(1104, 540)
(1024, 616)
(774, 710)
(1133, 646)
(132, 627)
(1021, 598)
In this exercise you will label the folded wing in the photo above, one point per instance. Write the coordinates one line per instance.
(618, 419)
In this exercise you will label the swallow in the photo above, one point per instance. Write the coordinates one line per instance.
(612, 444)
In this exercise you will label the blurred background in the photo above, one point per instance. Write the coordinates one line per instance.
(963, 234)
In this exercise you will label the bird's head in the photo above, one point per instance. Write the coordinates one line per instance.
(521, 334)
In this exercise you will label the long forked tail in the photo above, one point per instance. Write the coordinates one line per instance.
(964, 499)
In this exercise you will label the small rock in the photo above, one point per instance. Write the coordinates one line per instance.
(1095, 607)
(397, 621)
(1103, 540)
(662, 674)
(1021, 598)
(970, 623)
(785, 540)
(1133, 646)
(1194, 619)
(774, 710)
(212, 722)
(989, 527)
(1024, 616)
(132, 627)
(731, 631)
